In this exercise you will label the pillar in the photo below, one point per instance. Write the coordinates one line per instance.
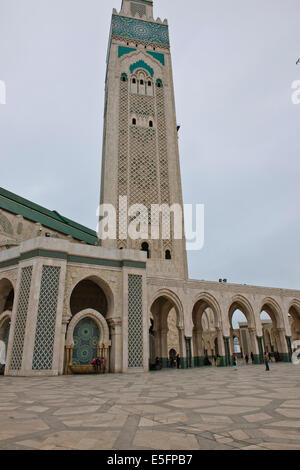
(115, 360)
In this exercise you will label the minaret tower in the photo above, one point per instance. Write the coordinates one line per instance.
(140, 141)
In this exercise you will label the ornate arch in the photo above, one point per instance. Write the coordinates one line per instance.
(171, 296)
(98, 319)
(212, 303)
(273, 309)
(100, 283)
(239, 302)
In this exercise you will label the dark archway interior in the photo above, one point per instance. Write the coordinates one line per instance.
(9, 301)
(87, 294)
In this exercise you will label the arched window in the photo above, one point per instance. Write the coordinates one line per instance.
(133, 80)
(159, 83)
(134, 121)
(142, 82)
(123, 77)
(168, 254)
(149, 83)
(150, 123)
(145, 247)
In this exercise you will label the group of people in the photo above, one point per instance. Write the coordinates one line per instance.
(267, 359)
(175, 362)
(99, 365)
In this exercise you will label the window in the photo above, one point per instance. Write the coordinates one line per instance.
(149, 83)
(142, 82)
(133, 80)
(150, 123)
(159, 83)
(145, 247)
(168, 254)
(134, 121)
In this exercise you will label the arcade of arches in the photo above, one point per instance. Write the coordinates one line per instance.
(58, 313)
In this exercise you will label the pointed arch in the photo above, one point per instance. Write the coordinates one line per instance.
(98, 319)
(273, 309)
(239, 302)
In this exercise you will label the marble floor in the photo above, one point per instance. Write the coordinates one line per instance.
(205, 408)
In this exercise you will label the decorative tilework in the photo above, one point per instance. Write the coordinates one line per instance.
(5, 225)
(124, 50)
(137, 8)
(45, 328)
(135, 321)
(158, 56)
(141, 65)
(21, 318)
(86, 339)
(140, 30)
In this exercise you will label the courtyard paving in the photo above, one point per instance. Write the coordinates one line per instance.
(206, 408)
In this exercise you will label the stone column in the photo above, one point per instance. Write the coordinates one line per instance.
(115, 326)
(254, 345)
(284, 352)
(221, 346)
(62, 358)
(164, 347)
(198, 348)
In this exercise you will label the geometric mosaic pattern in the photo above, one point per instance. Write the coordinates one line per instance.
(137, 8)
(163, 156)
(143, 171)
(86, 340)
(123, 153)
(5, 225)
(21, 318)
(135, 321)
(46, 319)
(139, 30)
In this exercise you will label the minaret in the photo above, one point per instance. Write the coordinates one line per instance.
(140, 142)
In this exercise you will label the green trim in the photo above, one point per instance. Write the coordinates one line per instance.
(165, 362)
(158, 56)
(122, 50)
(10, 262)
(223, 362)
(146, 2)
(134, 264)
(257, 359)
(198, 361)
(73, 259)
(285, 357)
(43, 254)
(140, 64)
(51, 219)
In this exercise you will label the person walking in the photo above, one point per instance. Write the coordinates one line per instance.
(178, 360)
(215, 359)
(266, 357)
(247, 358)
(252, 357)
(234, 360)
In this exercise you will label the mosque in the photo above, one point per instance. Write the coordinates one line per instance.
(66, 297)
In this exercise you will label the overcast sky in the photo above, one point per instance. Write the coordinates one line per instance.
(234, 63)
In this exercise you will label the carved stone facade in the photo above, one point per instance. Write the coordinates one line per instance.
(64, 300)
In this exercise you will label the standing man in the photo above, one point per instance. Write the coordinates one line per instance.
(252, 357)
(267, 361)
(247, 358)
(178, 360)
